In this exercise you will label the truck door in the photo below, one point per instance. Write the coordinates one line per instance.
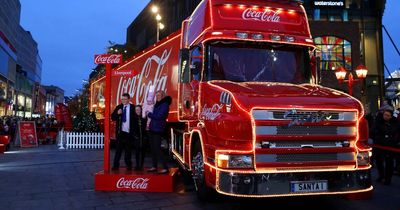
(189, 83)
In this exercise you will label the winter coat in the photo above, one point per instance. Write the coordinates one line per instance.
(386, 133)
(159, 115)
(139, 130)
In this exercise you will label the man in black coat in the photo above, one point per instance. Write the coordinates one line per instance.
(124, 114)
(386, 133)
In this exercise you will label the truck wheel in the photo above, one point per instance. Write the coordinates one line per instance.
(204, 193)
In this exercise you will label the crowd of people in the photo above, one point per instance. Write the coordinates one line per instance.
(133, 132)
(9, 124)
(384, 132)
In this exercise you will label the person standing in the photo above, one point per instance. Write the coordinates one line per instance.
(123, 114)
(157, 129)
(386, 133)
(139, 132)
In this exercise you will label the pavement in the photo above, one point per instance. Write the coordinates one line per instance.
(48, 178)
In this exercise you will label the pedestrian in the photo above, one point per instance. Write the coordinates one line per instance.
(386, 133)
(157, 127)
(123, 114)
(140, 134)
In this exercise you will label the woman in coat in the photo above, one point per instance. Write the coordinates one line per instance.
(157, 129)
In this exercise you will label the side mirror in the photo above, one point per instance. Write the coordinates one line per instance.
(184, 70)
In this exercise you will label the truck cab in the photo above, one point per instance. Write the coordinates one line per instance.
(253, 120)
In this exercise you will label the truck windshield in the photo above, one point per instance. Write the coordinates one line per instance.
(259, 62)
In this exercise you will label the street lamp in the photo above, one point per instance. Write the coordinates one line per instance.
(154, 9)
(160, 26)
(361, 72)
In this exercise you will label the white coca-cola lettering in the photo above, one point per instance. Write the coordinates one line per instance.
(138, 183)
(108, 59)
(267, 15)
(122, 73)
(211, 113)
(138, 85)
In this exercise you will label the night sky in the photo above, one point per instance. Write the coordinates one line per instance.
(69, 33)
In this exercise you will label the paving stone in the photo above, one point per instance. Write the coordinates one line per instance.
(45, 178)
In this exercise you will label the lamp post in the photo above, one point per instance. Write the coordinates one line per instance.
(160, 26)
(341, 73)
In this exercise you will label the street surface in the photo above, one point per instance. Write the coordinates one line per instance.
(48, 178)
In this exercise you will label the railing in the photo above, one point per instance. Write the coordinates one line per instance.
(77, 140)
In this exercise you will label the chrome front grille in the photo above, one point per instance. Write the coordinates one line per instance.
(308, 157)
(280, 115)
(304, 144)
(304, 115)
(305, 130)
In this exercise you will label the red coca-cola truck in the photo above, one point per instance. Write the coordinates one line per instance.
(248, 117)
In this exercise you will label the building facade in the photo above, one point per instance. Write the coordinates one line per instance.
(172, 13)
(349, 33)
(54, 95)
(20, 63)
(346, 33)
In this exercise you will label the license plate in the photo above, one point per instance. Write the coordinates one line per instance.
(309, 186)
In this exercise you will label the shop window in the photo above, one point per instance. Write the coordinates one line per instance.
(317, 14)
(333, 52)
(28, 107)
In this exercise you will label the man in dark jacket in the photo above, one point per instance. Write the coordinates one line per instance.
(386, 133)
(124, 114)
(157, 128)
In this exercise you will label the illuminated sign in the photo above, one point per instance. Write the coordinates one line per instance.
(331, 3)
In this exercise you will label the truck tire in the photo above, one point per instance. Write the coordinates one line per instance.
(204, 193)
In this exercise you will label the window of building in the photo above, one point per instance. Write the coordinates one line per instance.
(333, 52)
(28, 107)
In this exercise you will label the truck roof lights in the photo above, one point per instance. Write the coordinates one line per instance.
(276, 38)
(242, 35)
(257, 36)
(289, 38)
(309, 40)
(228, 5)
(216, 33)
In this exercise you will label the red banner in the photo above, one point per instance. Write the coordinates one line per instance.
(63, 116)
(108, 59)
(27, 134)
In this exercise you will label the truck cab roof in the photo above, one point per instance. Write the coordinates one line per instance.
(256, 20)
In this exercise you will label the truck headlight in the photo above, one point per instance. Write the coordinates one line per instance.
(363, 158)
(234, 161)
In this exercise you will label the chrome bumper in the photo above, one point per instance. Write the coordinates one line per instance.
(279, 184)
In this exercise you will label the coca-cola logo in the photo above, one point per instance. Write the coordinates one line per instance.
(108, 59)
(150, 75)
(136, 184)
(211, 113)
(266, 16)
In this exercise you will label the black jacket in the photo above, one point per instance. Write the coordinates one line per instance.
(118, 118)
(386, 133)
(139, 130)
